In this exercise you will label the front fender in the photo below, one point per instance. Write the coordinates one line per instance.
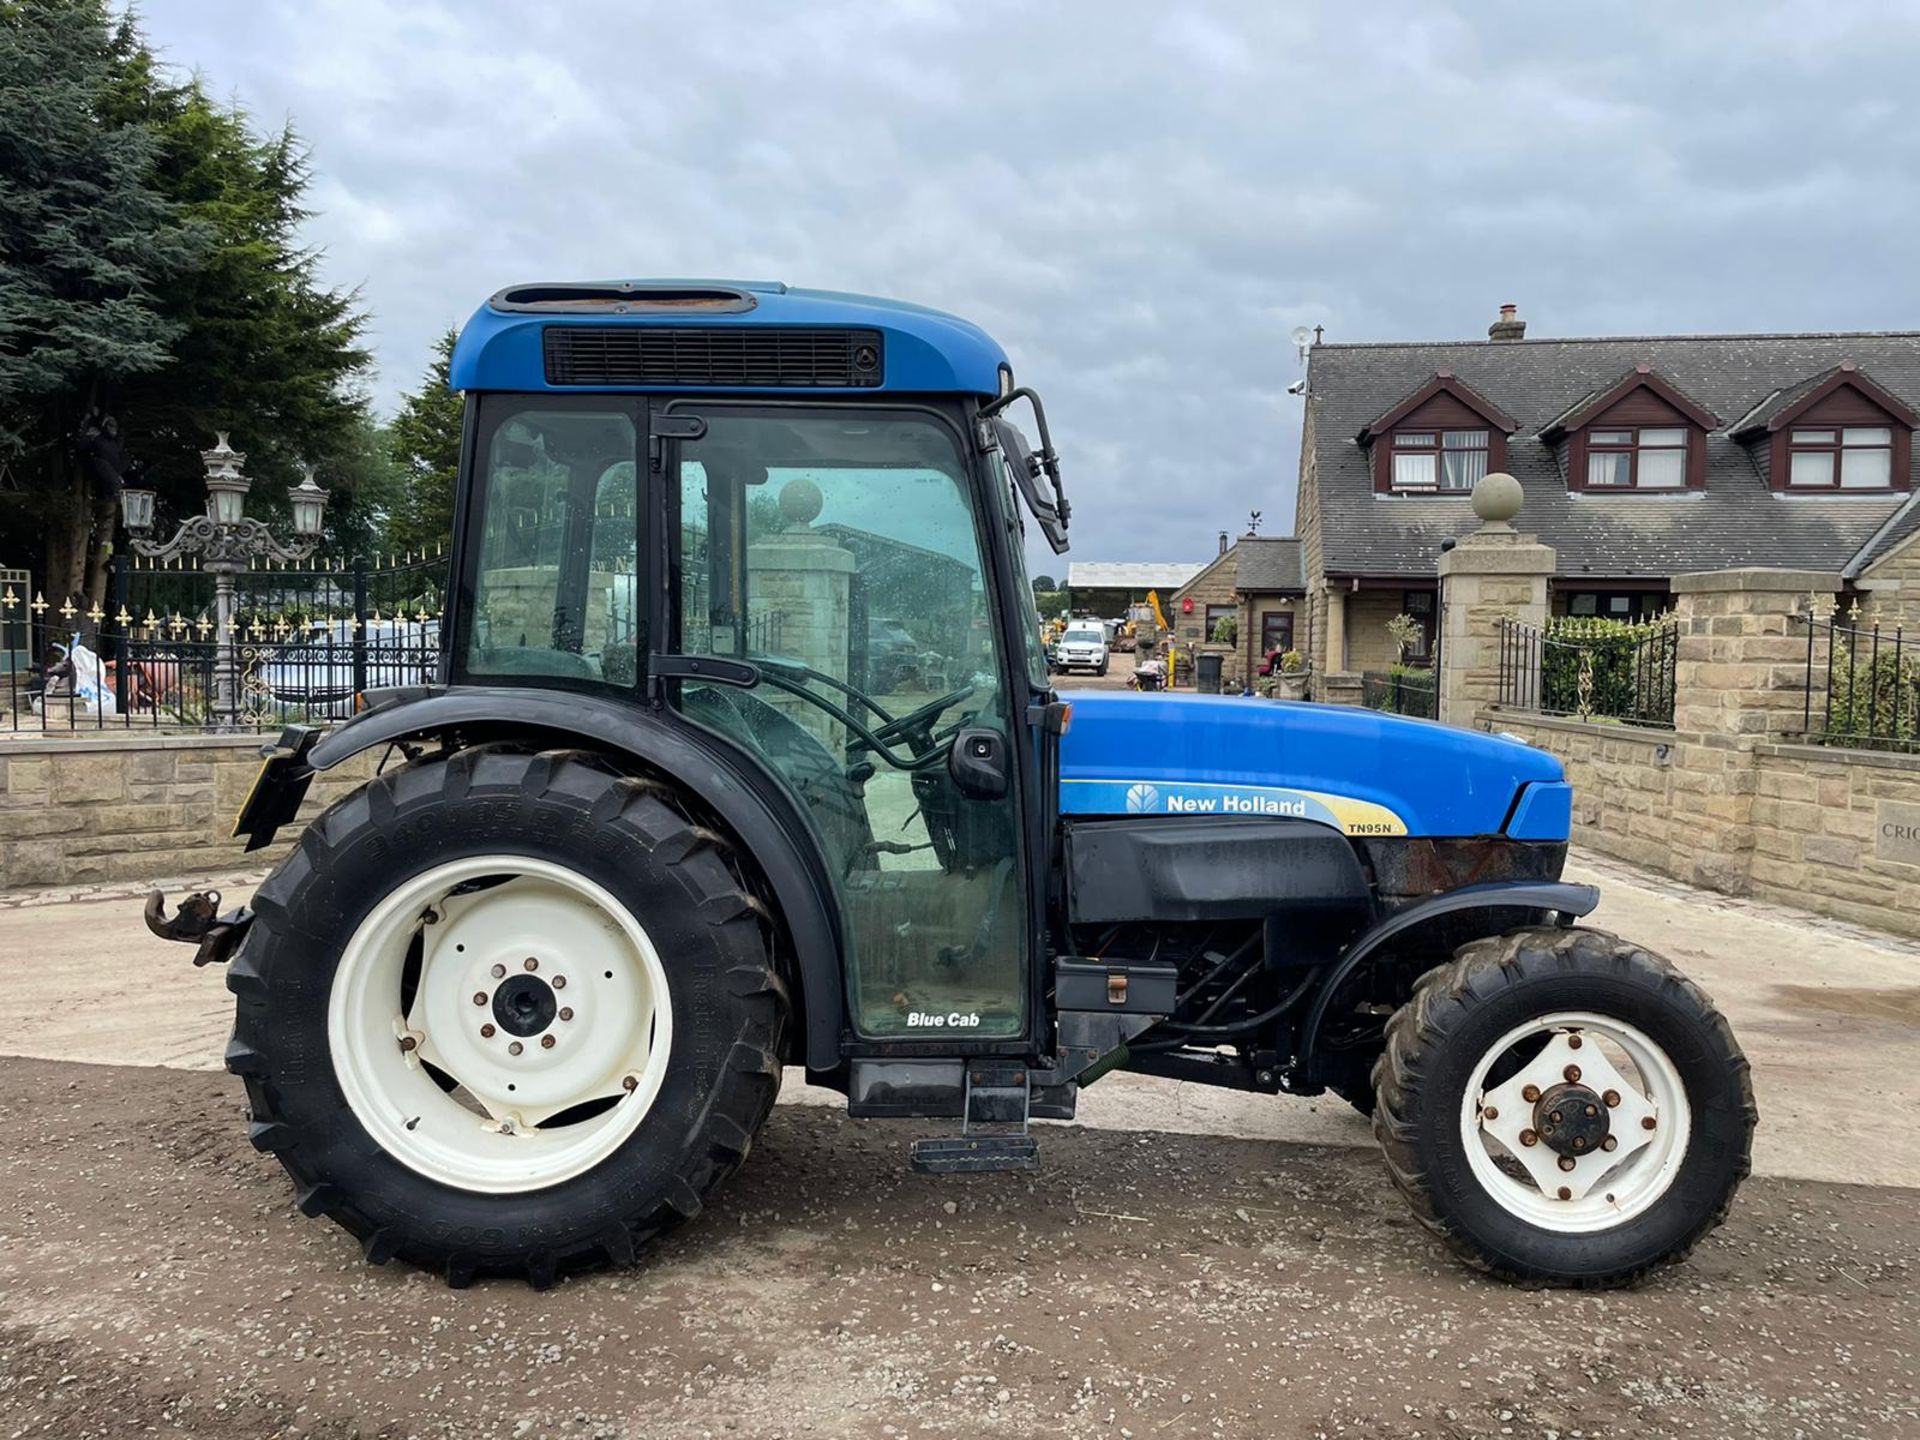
(770, 826)
(1559, 896)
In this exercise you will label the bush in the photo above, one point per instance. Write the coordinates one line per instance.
(1293, 662)
(1629, 665)
(1226, 630)
(1873, 700)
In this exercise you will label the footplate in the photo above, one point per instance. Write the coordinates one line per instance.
(973, 1154)
(993, 1135)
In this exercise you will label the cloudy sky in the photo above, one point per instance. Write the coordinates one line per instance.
(1141, 201)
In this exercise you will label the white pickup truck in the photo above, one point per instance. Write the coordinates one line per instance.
(1082, 647)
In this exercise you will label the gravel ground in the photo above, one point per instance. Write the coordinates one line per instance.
(156, 1280)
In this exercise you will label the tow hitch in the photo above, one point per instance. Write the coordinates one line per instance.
(199, 922)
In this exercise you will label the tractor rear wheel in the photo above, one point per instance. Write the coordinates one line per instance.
(507, 1013)
(1564, 1108)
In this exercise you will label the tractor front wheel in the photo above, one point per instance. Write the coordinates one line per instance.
(1564, 1108)
(506, 1013)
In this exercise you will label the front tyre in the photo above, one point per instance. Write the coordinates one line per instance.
(506, 1013)
(1563, 1108)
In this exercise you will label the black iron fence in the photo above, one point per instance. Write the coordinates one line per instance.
(168, 650)
(1863, 686)
(1591, 669)
(1401, 692)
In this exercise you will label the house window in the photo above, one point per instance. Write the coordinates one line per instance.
(1643, 458)
(1217, 613)
(1616, 604)
(1449, 460)
(1276, 632)
(1419, 604)
(1851, 457)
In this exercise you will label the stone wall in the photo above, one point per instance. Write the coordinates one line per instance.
(1893, 584)
(128, 807)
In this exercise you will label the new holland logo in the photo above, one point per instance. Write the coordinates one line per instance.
(1141, 799)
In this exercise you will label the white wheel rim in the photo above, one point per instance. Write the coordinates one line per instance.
(592, 1017)
(1649, 1124)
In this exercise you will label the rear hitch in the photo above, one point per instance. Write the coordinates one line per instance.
(199, 922)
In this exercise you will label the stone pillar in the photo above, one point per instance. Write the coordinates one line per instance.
(1492, 575)
(1740, 680)
(804, 577)
(1337, 685)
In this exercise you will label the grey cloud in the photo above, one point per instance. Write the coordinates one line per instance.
(1140, 200)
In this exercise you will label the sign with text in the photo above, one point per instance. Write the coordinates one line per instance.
(1896, 832)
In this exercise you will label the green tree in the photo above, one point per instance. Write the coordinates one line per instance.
(90, 247)
(178, 298)
(424, 441)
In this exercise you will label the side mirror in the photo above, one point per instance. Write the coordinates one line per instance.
(978, 763)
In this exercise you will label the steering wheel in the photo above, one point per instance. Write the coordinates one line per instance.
(903, 726)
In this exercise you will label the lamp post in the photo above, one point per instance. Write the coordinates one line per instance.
(226, 541)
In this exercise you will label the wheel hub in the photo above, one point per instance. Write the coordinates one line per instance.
(524, 1005)
(1571, 1120)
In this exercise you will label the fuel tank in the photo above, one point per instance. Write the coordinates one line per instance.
(1359, 771)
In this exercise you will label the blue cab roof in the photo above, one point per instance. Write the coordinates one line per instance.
(502, 346)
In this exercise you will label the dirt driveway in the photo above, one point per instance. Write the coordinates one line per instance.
(157, 1280)
(1170, 1271)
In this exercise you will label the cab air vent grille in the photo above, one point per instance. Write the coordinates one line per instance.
(733, 355)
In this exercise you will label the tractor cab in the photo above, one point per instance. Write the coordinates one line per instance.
(793, 523)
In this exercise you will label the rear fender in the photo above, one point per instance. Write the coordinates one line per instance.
(1568, 901)
(751, 803)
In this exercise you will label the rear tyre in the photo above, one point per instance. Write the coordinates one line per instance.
(1563, 1108)
(507, 1013)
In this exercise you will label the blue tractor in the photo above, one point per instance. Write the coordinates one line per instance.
(661, 827)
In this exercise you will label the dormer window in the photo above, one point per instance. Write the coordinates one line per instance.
(1637, 458)
(1436, 460)
(1437, 441)
(1848, 457)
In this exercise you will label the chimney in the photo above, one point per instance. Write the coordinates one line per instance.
(1223, 542)
(1509, 326)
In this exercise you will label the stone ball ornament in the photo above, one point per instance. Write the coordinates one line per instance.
(800, 502)
(1497, 497)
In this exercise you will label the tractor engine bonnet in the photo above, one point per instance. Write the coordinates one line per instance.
(1358, 771)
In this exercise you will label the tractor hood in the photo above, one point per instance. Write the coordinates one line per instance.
(1359, 771)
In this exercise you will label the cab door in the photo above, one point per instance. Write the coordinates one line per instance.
(838, 549)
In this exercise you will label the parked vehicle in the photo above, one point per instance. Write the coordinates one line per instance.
(1083, 647)
(320, 673)
(522, 1000)
(893, 655)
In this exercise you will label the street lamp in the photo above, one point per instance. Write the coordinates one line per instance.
(226, 541)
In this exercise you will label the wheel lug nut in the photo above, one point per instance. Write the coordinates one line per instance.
(1574, 1042)
(630, 1083)
(1491, 1113)
(1579, 1142)
(486, 1032)
(1648, 1122)
(499, 972)
(1527, 1137)
(546, 1042)
(1557, 1118)
(566, 1012)
(479, 997)
(559, 982)
(407, 1042)
(1612, 1097)
(515, 1048)
(1565, 1193)
(1567, 1162)
(1572, 1072)
(1593, 1109)
(1530, 1094)
(531, 963)
(1612, 1142)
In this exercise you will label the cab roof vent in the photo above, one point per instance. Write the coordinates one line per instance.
(743, 356)
(623, 298)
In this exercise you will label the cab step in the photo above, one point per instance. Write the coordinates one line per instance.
(973, 1154)
(993, 1129)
